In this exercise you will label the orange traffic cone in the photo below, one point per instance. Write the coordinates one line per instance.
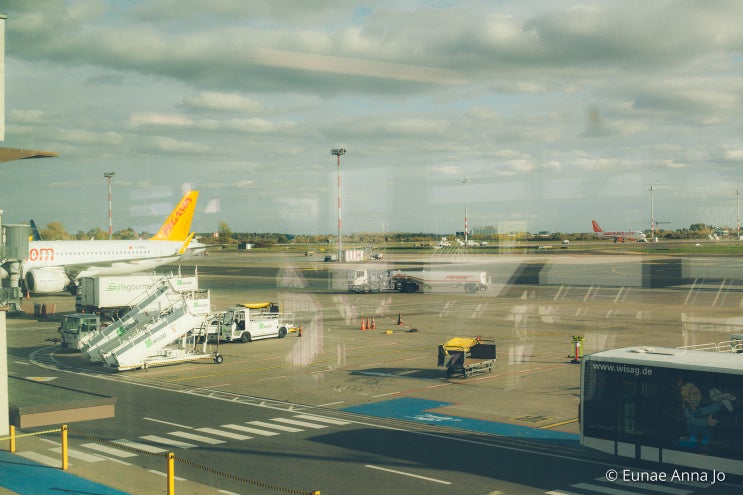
(373, 324)
(363, 324)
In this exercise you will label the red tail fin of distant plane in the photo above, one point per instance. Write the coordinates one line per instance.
(596, 227)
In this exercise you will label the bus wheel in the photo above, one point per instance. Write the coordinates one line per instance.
(245, 337)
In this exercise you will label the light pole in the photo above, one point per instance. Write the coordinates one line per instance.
(466, 230)
(737, 211)
(108, 176)
(338, 152)
(652, 216)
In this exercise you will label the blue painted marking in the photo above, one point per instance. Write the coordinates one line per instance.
(418, 410)
(26, 477)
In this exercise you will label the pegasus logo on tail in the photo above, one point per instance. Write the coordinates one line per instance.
(178, 225)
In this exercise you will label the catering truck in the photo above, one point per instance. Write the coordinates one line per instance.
(114, 294)
(365, 281)
(248, 322)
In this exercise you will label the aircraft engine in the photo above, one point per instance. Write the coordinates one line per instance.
(40, 281)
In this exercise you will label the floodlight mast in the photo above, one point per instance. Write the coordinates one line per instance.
(466, 229)
(108, 176)
(737, 213)
(338, 152)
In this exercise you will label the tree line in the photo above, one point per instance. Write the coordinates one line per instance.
(225, 235)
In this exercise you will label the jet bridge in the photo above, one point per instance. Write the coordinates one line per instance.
(13, 250)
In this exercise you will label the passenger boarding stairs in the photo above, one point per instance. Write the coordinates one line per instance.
(163, 316)
(132, 349)
(143, 311)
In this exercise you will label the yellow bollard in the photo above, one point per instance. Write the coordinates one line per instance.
(171, 473)
(11, 446)
(65, 463)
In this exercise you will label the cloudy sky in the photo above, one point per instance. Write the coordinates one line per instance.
(557, 111)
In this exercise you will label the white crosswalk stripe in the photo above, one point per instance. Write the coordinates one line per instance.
(105, 449)
(322, 419)
(77, 454)
(299, 423)
(141, 446)
(198, 438)
(601, 486)
(251, 430)
(168, 441)
(222, 433)
(276, 427)
(42, 459)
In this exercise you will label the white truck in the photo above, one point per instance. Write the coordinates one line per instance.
(248, 322)
(112, 295)
(365, 280)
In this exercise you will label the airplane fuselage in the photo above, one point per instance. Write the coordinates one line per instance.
(67, 253)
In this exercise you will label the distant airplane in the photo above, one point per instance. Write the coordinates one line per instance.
(35, 236)
(629, 235)
(53, 266)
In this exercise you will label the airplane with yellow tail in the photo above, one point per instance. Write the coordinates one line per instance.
(54, 266)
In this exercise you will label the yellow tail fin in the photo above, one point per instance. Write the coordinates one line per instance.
(178, 225)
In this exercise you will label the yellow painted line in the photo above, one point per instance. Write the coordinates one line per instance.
(553, 425)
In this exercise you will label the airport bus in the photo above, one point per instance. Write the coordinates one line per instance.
(674, 406)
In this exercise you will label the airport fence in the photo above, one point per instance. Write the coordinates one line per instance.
(170, 458)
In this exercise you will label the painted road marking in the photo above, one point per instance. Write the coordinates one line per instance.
(614, 491)
(164, 475)
(140, 446)
(222, 433)
(168, 441)
(251, 430)
(276, 427)
(42, 459)
(168, 423)
(323, 419)
(198, 438)
(299, 423)
(76, 454)
(108, 450)
(409, 474)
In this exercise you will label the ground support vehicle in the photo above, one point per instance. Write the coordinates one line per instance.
(159, 329)
(674, 406)
(114, 295)
(369, 280)
(75, 327)
(248, 322)
(467, 356)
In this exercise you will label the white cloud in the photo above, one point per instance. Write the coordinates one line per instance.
(234, 102)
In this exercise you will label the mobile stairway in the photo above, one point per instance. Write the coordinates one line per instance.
(170, 338)
(145, 309)
(157, 330)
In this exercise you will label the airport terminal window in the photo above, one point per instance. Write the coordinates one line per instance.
(595, 189)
